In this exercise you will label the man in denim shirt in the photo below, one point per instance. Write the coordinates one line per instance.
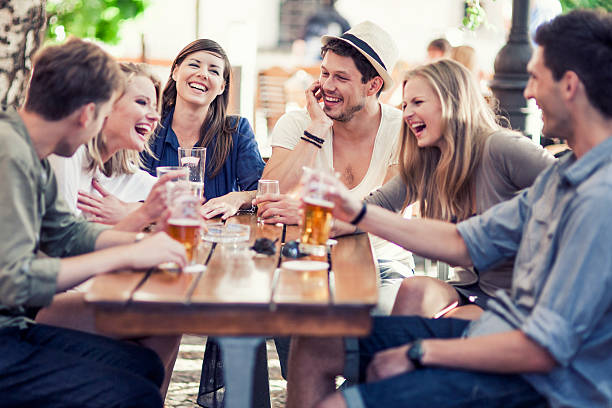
(547, 343)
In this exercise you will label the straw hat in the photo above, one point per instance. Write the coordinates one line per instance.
(375, 44)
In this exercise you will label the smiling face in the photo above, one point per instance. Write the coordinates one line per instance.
(422, 112)
(199, 78)
(343, 92)
(134, 116)
(547, 94)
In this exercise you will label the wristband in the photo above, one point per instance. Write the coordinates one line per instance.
(313, 137)
(311, 141)
(362, 213)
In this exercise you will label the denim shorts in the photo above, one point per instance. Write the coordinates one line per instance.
(427, 387)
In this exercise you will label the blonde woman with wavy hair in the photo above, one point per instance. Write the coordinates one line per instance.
(103, 179)
(456, 160)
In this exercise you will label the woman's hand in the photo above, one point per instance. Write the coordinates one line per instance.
(157, 200)
(226, 205)
(275, 208)
(106, 209)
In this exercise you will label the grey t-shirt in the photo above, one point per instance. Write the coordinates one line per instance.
(510, 162)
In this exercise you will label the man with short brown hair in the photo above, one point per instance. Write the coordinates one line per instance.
(44, 248)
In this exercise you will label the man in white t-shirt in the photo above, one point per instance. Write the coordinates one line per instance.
(350, 131)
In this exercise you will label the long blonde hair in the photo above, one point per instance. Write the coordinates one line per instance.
(442, 178)
(124, 161)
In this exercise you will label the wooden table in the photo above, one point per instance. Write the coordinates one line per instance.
(243, 299)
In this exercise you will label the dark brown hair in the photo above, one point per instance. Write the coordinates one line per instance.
(581, 41)
(216, 123)
(343, 49)
(69, 76)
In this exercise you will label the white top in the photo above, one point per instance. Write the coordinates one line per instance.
(290, 127)
(73, 176)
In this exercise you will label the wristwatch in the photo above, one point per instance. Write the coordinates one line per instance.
(415, 353)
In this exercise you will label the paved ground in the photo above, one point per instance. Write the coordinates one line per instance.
(185, 382)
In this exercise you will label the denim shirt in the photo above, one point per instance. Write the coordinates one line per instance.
(240, 172)
(560, 230)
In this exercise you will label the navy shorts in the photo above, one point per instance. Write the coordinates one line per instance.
(427, 387)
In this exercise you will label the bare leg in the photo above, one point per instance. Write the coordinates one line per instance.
(69, 310)
(423, 296)
(467, 312)
(314, 363)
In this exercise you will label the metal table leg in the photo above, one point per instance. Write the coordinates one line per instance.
(238, 369)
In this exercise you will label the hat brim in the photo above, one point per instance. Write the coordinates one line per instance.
(387, 80)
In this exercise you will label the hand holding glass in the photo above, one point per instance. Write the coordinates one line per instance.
(316, 221)
(267, 187)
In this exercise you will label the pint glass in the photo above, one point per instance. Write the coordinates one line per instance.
(184, 221)
(316, 222)
(194, 158)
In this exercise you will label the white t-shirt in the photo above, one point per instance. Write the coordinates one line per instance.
(290, 128)
(73, 176)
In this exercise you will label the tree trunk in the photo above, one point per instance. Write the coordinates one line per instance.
(22, 30)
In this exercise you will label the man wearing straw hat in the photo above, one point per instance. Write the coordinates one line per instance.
(345, 127)
(350, 132)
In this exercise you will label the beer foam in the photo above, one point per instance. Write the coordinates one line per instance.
(184, 222)
(318, 201)
(305, 265)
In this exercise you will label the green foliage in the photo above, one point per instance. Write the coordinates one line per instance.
(567, 5)
(475, 15)
(99, 19)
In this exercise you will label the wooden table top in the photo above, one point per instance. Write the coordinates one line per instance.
(243, 294)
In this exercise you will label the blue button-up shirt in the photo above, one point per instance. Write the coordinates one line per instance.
(560, 230)
(240, 172)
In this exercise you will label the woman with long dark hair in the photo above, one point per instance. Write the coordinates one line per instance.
(194, 113)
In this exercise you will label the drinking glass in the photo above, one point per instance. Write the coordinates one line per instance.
(267, 187)
(317, 217)
(184, 222)
(194, 158)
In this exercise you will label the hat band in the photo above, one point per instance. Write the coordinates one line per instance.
(364, 46)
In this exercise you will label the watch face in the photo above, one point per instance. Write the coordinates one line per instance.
(415, 352)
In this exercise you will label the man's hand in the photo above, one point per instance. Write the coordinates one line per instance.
(275, 208)
(106, 209)
(389, 363)
(321, 123)
(156, 249)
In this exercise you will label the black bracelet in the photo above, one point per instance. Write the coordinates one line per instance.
(362, 213)
(313, 137)
(311, 141)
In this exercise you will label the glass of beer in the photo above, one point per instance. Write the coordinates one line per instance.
(267, 187)
(184, 222)
(317, 218)
(194, 158)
